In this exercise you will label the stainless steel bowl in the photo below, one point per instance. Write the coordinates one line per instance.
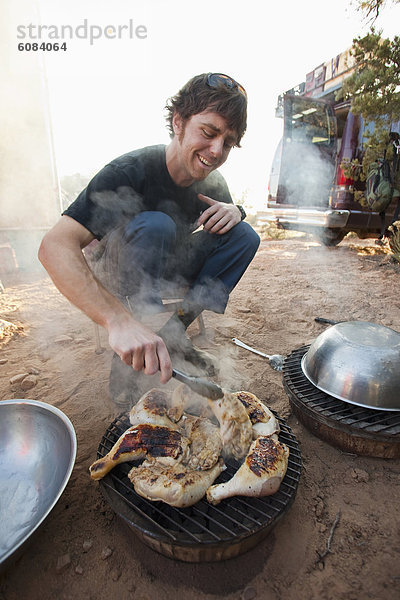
(358, 362)
(37, 455)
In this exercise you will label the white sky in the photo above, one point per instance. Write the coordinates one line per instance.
(108, 98)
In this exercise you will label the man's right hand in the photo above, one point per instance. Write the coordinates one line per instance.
(139, 347)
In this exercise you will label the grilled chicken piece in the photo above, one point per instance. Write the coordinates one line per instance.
(235, 425)
(260, 474)
(180, 400)
(262, 419)
(139, 441)
(157, 407)
(176, 485)
(206, 442)
(185, 400)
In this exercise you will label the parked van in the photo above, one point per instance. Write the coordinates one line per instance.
(307, 189)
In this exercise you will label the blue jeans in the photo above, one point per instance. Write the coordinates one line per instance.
(146, 257)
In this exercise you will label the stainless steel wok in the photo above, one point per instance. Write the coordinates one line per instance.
(37, 454)
(358, 362)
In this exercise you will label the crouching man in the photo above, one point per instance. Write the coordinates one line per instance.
(162, 215)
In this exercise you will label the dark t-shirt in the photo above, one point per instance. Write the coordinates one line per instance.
(139, 181)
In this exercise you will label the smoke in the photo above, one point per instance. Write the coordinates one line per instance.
(137, 273)
(28, 182)
(306, 175)
(114, 209)
(149, 253)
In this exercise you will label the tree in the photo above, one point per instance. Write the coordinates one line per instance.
(374, 91)
(372, 8)
(374, 85)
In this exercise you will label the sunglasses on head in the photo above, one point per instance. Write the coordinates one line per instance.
(216, 79)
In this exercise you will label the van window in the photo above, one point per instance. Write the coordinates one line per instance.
(368, 129)
(308, 152)
(309, 122)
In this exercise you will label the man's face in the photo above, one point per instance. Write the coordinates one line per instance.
(202, 144)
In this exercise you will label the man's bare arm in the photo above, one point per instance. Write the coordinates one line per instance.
(61, 255)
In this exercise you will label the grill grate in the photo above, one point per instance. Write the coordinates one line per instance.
(343, 417)
(201, 524)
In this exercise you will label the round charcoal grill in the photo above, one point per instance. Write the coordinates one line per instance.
(351, 428)
(201, 532)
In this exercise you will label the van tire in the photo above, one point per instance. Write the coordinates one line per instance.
(330, 237)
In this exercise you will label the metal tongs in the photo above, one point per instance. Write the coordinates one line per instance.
(201, 386)
(275, 360)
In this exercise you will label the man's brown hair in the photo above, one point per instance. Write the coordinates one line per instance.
(197, 96)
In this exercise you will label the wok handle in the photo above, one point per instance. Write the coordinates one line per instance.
(328, 321)
(243, 345)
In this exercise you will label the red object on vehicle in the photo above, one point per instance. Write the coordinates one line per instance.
(342, 180)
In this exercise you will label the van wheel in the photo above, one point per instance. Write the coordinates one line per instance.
(330, 237)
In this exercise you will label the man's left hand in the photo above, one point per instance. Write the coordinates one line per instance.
(219, 217)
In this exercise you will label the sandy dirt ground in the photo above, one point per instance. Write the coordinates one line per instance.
(346, 502)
